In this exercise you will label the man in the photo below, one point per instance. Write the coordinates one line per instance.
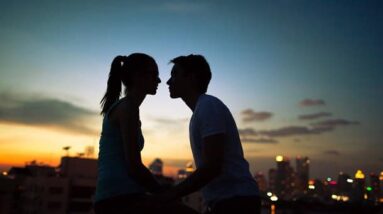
(222, 172)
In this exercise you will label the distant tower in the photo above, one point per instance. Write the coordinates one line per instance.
(156, 166)
(374, 188)
(381, 187)
(359, 185)
(66, 148)
(272, 180)
(344, 185)
(302, 168)
(284, 177)
(89, 151)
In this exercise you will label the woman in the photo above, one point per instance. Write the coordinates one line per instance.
(122, 178)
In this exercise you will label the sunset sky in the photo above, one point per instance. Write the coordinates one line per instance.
(300, 77)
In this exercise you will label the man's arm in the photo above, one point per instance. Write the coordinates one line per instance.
(212, 155)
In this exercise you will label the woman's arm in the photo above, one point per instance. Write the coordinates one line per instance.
(128, 120)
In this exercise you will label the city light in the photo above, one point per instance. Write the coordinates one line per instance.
(328, 179)
(343, 198)
(5, 173)
(349, 180)
(359, 174)
(274, 198)
(311, 187)
(369, 189)
(381, 176)
(279, 158)
(311, 182)
(269, 194)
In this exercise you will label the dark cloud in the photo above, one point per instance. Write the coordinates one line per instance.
(332, 152)
(312, 102)
(247, 132)
(314, 116)
(250, 135)
(45, 112)
(259, 140)
(293, 131)
(332, 123)
(313, 129)
(250, 115)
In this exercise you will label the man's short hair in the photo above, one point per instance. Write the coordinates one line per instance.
(198, 66)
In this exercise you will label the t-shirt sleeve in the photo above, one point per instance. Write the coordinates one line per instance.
(211, 118)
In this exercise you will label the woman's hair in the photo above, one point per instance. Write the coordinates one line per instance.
(121, 71)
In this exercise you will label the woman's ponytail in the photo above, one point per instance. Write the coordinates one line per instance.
(113, 90)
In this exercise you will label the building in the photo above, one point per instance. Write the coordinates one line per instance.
(8, 194)
(285, 182)
(373, 190)
(68, 188)
(359, 186)
(344, 185)
(302, 173)
(272, 180)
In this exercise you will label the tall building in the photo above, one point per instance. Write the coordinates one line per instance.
(373, 189)
(272, 180)
(359, 186)
(284, 178)
(344, 184)
(381, 187)
(302, 173)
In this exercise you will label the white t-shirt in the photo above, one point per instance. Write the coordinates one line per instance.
(211, 117)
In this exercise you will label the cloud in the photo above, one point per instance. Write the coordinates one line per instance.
(312, 102)
(314, 116)
(47, 112)
(250, 115)
(293, 131)
(332, 123)
(259, 140)
(250, 135)
(313, 129)
(332, 152)
(247, 132)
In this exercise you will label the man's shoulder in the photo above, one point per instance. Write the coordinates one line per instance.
(209, 102)
(207, 98)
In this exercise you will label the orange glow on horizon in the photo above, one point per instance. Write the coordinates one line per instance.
(22, 143)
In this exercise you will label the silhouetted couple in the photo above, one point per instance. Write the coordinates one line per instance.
(125, 185)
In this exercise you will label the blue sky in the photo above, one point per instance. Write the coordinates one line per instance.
(266, 57)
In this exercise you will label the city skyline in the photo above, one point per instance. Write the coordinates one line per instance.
(300, 77)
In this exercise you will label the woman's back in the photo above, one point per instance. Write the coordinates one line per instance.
(113, 178)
